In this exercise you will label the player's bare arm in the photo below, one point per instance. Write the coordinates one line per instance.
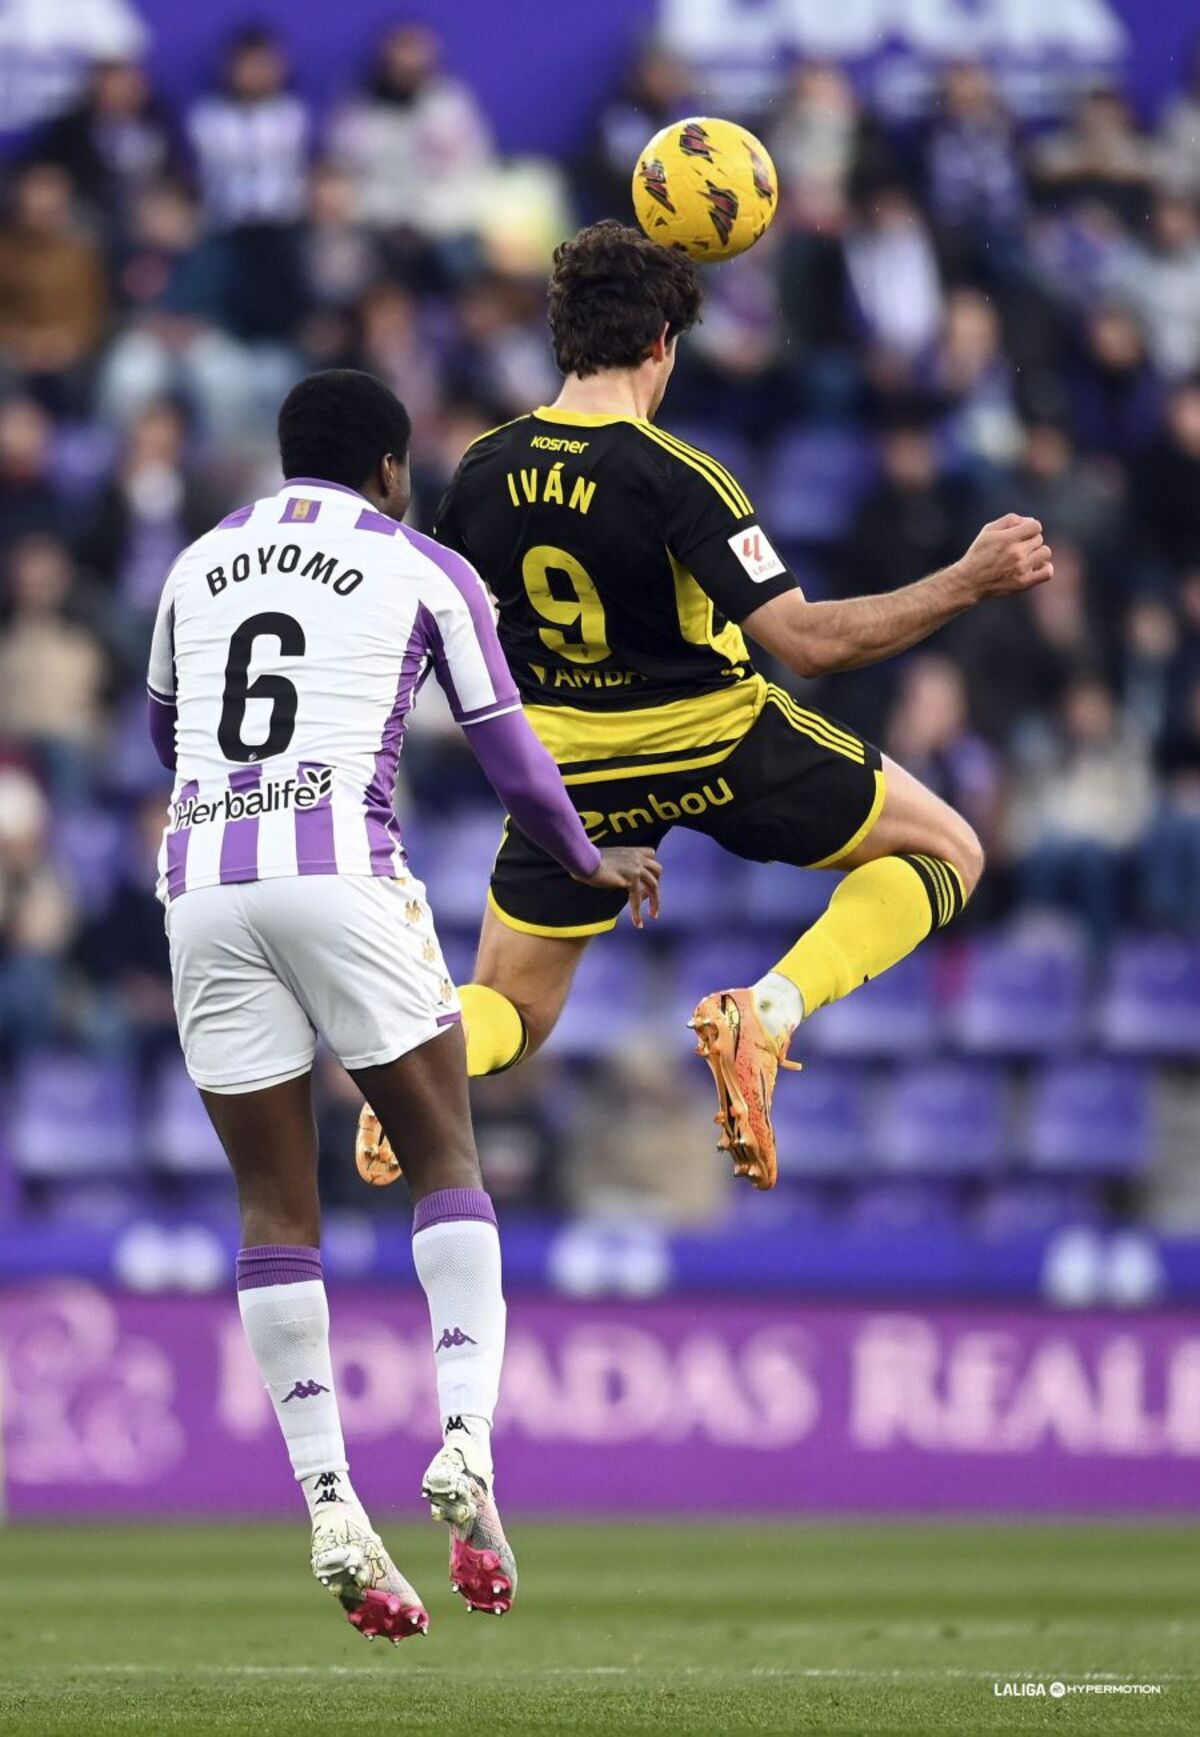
(1008, 557)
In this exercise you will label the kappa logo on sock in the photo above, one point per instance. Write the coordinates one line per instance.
(329, 1484)
(454, 1423)
(451, 1339)
(304, 1390)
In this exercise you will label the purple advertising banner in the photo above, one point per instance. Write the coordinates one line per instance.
(137, 1405)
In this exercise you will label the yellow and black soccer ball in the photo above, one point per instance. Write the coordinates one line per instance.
(706, 186)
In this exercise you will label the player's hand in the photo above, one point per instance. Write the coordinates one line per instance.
(635, 868)
(1008, 556)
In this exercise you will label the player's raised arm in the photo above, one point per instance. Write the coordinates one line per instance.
(471, 668)
(1008, 556)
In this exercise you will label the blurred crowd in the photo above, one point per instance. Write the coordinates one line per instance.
(945, 323)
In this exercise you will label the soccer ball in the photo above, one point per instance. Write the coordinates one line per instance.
(705, 186)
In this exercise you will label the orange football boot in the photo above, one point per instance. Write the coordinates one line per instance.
(745, 1060)
(377, 1163)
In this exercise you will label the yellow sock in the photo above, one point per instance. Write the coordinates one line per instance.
(877, 915)
(495, 1032)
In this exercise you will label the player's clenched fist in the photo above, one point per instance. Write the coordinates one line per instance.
(1007, 556)
(637, 869)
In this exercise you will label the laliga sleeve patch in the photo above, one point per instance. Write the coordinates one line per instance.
(756, 555)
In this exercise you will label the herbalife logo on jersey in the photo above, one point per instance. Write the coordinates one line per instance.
(309, 790)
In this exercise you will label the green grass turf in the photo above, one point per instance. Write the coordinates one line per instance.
(650, 1628)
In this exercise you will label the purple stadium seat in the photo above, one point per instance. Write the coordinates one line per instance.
(73, 1116)
(896, 1015)
(729, 961)
(1029, 1207)
(896, 1207)
(178, 1135)
(1152, 1004)
(90, 847)
(1023, 993)
(814, 482)
(944, 1118)
(1092, 1118)
(821, 1122)
(778, 897)
(610, 1000)
(701, 882)
(456, 863)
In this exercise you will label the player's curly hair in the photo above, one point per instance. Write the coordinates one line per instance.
(611, 292)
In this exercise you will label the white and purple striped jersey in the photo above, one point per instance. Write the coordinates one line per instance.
(292, 640)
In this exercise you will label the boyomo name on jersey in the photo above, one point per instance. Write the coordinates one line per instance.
(305, 792)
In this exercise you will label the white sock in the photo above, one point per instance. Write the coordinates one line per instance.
(779, 1003)
(456, 1251)
(285, 1313)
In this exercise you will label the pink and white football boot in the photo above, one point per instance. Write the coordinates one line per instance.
(349, 1560)
(458, 1487)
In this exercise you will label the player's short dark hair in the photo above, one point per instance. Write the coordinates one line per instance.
(338, 424)
(612, 291)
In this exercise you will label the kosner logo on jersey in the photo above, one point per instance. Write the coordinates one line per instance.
(314, 786)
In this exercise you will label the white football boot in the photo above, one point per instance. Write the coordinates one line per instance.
(458, 1488)
(349, 1560)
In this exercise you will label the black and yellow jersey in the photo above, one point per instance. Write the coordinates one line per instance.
(622, 561)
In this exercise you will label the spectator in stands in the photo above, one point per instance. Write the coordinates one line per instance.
(339, 260)
(913, 521)
(974, 177)
(36, 918)
(250, 140)
(1081, 807)
(397, 345)
(892, 270)
(1169, 860)
(53, 291)
(153, 505)
(29, 500)
(1179, 135)
(52, 670)
(417, 145)
(657, 90)
(1074, 501)
(114, 143)
(175, 281)
(1166, 492)
(1160, 281)
(1114, 394)
(1019, 662)
(503, 357)
(1099, 156)
(828, 149)
(930, 732)
(123, 950)
(970, 372)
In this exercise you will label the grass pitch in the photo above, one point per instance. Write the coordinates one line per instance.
(699, 1629)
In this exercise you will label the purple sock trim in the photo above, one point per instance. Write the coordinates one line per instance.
(451, 1203)
(277, 1264)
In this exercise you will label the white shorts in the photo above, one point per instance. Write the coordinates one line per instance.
(260, 969)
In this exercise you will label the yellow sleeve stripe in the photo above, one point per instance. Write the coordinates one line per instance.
(706, 458)
(708, 468)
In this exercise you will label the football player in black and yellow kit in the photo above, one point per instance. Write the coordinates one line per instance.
(629, 570)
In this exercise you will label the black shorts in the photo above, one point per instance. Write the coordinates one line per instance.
(797, 788)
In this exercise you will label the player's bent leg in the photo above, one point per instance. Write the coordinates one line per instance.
(532, 974)
(422, 1102)
(912, 874)
(519, 990)
(269, 1137)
